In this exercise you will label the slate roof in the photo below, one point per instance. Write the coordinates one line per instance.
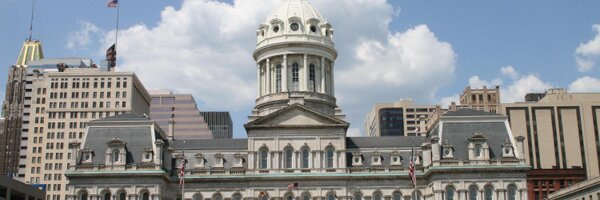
(211, 144)
(384, 142)
(469, 112)
(458, 133)
(137, 138)
(123, 117)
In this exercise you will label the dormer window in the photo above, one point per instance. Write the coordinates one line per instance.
(507, 150)
(115, 153)
(219, 160)
(395, 159)
(87, 156)
(294, 26)
(447, 150)
(478, 147)
(357, 159)
(238, 160)
(376, 158)
(199, 160)
(276, 28)
(147, 155)
(313, 28)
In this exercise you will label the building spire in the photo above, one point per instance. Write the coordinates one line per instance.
(31, 22)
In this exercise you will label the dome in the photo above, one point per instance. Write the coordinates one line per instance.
(294, 9)
(296, 22)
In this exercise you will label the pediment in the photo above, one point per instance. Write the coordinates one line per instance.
(296, 115)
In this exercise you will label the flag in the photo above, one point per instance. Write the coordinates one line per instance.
(293, 186)
(182, 172)
(111, 56)
(112, 3)
(411, 168)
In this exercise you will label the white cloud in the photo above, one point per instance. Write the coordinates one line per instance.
(205, 48)
(588, 54)
(585, 84)
(516, 88)
(510, 71)
(87, 33)
(446, 101)
(354, 132)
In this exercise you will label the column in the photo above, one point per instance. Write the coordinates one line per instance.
(268, 82)
(258, 80)
(304, 82)
(284, 74)
(322, 75)
(319, 154)
(332, 80)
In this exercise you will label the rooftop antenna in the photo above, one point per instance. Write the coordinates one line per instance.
(31, 22)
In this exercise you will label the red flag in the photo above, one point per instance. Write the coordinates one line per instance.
(112, 3)
(411, 168)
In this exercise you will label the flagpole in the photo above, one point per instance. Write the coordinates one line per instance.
(117, 32)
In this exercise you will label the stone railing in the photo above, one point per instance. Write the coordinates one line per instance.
(291, 94)
(294, 38)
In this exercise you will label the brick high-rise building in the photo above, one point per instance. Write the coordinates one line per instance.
(12, 107)
(61, 100)
(178, 115)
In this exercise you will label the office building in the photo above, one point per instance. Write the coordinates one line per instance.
(12, 107)
(59, 102)
(484, 99)
(401, 118)
(219, 123)
(562, 138)
(178, 115)
(297, 146)
(589, 189)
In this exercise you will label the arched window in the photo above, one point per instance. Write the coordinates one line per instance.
(295, 77)
(397, 196)
(330, 196)
(450, 193)
(305, 160)
(478, 150)
(330, 154)
(311, 78)
(289, 196)
(83, 196)
(512, 192)
(122, 196)
(106, 196)
(357, 196)
(146, 196)
(473, 192)
(264, 154)
(264, 197)
(377, 196)
(237, 197)
(278, 78)
(488, 192)
(217, 197)
(306, 196)
(115, 155)
(416, 195)
(289, 155)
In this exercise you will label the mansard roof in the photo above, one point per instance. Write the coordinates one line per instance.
(384, 142)
(211, 144)
(124, 117)
(136, 139)
(458, 134)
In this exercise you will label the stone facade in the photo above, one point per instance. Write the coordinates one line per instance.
(297, 146)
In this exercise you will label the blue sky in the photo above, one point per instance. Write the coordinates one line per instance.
(427, 50)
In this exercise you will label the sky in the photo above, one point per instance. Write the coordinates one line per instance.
(427, 51)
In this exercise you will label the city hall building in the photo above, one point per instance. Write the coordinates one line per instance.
(297, 148)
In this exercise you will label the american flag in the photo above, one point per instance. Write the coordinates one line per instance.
(293, 186)
(112, 3)
(182, 172)
(411, 168)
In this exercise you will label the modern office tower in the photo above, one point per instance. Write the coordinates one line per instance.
(399, 118)
(219, 123)
(562, 137)
(483, 99)
(178, 115)
(59, 103)
(12, 107)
